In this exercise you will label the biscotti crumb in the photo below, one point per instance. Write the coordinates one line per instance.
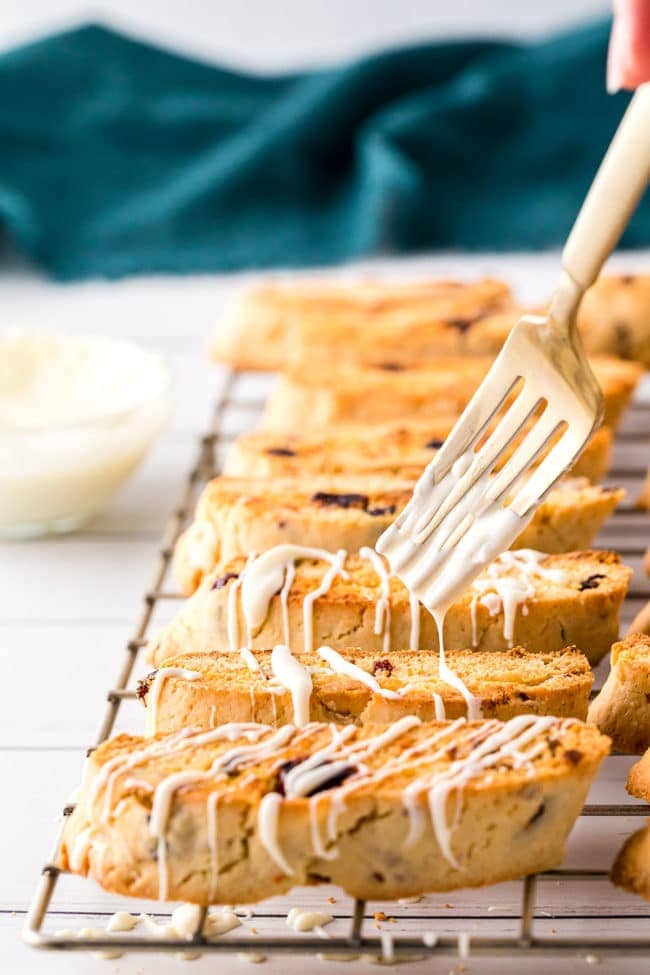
(380, 916)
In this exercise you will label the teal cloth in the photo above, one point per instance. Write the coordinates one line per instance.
(118, 157)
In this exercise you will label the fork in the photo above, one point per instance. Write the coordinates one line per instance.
(462, 514)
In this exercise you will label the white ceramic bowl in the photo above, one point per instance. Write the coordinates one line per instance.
(77, 415)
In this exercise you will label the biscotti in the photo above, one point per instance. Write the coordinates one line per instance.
(394, 449)
(236, 516)
(631, 869)
(353, 686)
(316, 397)
(244, 812)
(307, 597)
(638, 780)
(269, 324)
(614, 317)
(265, 323)
(622, 709)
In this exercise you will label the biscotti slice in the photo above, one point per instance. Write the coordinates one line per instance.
(306, 598)
(317, 396)
(614, 317)
(355, 686)
(631, 869)
(622, 709)
(235, 516)
(244, 812)
(389, 449)
(266, 321)
(638, 780)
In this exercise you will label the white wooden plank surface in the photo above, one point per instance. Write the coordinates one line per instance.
(68, 605)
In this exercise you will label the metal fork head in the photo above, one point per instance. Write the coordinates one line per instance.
(546, 401)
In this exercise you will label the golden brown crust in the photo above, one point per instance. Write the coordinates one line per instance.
(507, 683)
(236, 516)
(631, 869)
(614, 317)
(271, 323)
(583, 610)
(622, 709)
(638, 780)
(392, 449)
(376, 394)
(511, 821)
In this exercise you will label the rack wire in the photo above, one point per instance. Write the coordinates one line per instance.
(627, 526)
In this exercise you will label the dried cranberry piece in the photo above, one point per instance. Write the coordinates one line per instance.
(591, 582)
(282, 774)
(224, 580)
(144, 686)
(336, 780)
(280, 452)
(537, 815)
(434, 444)
(390, 509)
(391, 366)
(573, 756)
(463, 323)
(341, 500)
(384, 665)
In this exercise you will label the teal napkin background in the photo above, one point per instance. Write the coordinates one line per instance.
(117, 157)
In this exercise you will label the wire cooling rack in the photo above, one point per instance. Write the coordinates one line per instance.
(515, 934)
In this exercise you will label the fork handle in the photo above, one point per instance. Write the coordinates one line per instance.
(617, 188)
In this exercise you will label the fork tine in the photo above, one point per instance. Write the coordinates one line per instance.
(483, 406)
(558, 460)
(484, 460)
(523, 457)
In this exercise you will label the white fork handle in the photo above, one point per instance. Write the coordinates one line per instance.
(617, 188)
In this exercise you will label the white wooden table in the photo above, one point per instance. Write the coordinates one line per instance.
(67, 607)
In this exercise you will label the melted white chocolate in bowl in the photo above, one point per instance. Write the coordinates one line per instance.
(77, 415)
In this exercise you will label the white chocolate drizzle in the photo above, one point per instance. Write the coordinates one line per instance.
(232, 620)
(303, 920)
(265, 576)
(250, 659)
(297, 680)
(438, 559)
(382, 606)
(268, 818)
(449, 676)
(235, 758)
(332, 772)
(273, 572)
(153, 694)
(340, 665)
(414, 639)
(212, 814)
(507, 584)
(441, 713)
